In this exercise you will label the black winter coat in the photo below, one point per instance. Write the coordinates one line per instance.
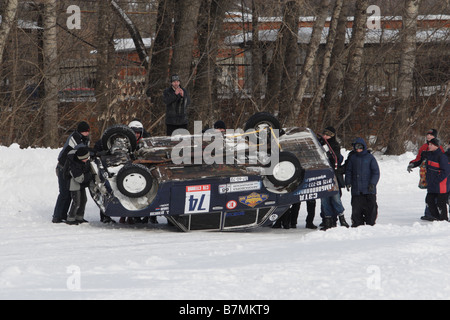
(176, 107)
(80, 172)
(74, 140)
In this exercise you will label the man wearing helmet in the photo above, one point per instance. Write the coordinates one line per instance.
(140, 133)
(139, 130)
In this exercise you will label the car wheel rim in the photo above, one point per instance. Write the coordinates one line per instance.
(134, 183)
(284, 171)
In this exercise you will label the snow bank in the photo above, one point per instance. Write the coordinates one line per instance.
(401, 257)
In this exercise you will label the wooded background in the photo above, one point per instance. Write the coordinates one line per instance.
(375, 69)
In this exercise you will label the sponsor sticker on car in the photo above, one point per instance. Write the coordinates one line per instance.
(239, 187)
(253, 199)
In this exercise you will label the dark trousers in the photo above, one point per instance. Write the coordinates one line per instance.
(437, 203)
(79, 200)
(63, 201)
(364, 209)
(289, 218)
(170, 128)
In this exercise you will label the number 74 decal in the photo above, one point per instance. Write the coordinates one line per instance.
(197, 199)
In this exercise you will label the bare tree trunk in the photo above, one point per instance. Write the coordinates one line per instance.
(159, 67)
(103, 83)
(204, 95)
(186, 15)
(326, 62)
(291, 55)
(400, 124)
(257, 75)
(8, 17)
(274, 74)
(51, 69)
(310, 57)
(336, 76)
(351, 89)
(134, 33)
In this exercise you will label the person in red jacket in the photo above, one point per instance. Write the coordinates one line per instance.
(447, 153)
(431, 134)
(438, 178)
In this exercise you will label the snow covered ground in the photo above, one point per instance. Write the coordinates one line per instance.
(401, 257)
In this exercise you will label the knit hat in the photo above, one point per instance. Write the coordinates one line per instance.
(433, 132)
(82, 153)
(435, 141)
(174, 77)
(83, 126)
(220, 125)
(330, 131)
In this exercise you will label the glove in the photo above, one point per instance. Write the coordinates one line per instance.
(410, 167)
(348, 187)
(371, 188)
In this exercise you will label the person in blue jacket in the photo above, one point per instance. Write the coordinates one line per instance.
(362, 175)
(438, 179)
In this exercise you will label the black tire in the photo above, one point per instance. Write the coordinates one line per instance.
(262, 119)
(119, 131)
(287, 170)
(134, 180)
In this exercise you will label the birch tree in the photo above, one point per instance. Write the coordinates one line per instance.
(7, 20)
(51, 69)
(310, 56)
(351, 90)
(335, 77)
(400, 125)
(326, 64)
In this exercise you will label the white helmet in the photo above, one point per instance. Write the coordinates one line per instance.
(136, 126)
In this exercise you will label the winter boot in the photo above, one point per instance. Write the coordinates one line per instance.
(310, 225)
(327, 223)
(342, 221)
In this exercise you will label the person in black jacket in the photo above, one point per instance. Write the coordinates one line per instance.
(177, 102)
(332, 207)
(80, 137)
(79, 168)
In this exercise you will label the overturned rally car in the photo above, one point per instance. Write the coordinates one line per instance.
(211, 180)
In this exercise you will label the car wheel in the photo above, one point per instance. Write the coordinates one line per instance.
(117, 137)
(262, 120)
(287, 170)
(259, 122)
(134, 180)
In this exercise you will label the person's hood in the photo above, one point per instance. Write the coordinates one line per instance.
(361, 141)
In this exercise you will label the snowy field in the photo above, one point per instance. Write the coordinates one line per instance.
(401, 257)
